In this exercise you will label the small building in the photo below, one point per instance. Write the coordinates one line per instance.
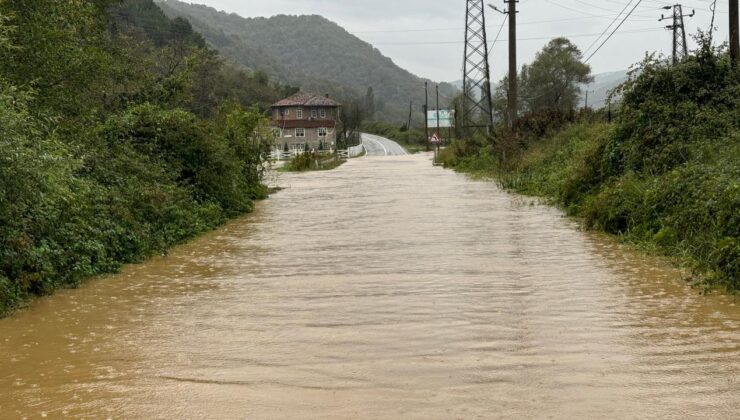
(305, 121)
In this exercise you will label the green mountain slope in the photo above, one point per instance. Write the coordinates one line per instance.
(311, 52)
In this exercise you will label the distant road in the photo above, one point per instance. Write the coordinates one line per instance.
(381, 146)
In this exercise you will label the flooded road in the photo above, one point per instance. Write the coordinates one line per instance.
(384, 289)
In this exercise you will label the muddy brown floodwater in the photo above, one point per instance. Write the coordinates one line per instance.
(387, 288)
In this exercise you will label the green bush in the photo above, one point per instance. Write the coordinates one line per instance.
(313, 162)
(220, 166)
(668, 111)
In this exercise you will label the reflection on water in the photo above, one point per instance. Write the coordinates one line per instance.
(385, 289)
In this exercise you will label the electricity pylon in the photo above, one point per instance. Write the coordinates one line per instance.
(476, 106)
(680, 47)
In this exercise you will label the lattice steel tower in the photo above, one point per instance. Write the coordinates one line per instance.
(680, 47)
(476, 108)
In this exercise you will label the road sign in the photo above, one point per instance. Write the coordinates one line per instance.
(446, 118)
(435, 139)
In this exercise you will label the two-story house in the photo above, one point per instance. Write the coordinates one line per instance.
(304, 121)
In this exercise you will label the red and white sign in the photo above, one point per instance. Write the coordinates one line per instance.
(435, 139)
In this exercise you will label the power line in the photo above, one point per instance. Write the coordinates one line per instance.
(532, 22)
(614, 31)
(705, 7)
(495, 40)
(607, 28)
(562, 6)
(602, 8)
(570, 8)
(539, 38)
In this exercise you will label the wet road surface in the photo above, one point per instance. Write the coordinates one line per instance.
(381, 146)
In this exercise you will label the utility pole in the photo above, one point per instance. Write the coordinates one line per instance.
(411, 108)
(457, 124)
(426, 110)
(477, 109)
(437, 113)
(680, 47)
(734, 33)
(512, 96)
(586, 99)
(437, 109)
(513, 86)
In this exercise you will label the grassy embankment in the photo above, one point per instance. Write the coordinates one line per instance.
(665, 175)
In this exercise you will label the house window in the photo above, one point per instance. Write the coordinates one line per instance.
(322, 113)
(276, 132)
(322, 132)
(300, 132)
(313, 113)
(286, 111)
(299, 113)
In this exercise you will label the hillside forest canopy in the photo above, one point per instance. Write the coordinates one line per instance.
(316, 54)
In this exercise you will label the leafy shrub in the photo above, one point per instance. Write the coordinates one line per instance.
(666, 110)
(201, 160)
(37, 185)
(313, 161)
(302, 162)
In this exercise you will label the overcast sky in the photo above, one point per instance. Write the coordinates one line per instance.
(425, 36)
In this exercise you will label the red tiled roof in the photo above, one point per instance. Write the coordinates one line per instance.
(303, 123)
(307, 99)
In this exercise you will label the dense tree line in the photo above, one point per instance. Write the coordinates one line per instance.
(121, 134)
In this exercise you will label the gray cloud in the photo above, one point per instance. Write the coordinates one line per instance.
(425, 36)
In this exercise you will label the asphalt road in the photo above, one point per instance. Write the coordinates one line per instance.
(381, 146)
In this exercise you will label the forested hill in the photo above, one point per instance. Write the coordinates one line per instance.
(312, 52)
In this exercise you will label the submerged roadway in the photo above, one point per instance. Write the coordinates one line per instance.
(386, 288)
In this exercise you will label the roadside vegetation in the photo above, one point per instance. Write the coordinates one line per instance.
(664, 175)
(121, 134)
(313, 161)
